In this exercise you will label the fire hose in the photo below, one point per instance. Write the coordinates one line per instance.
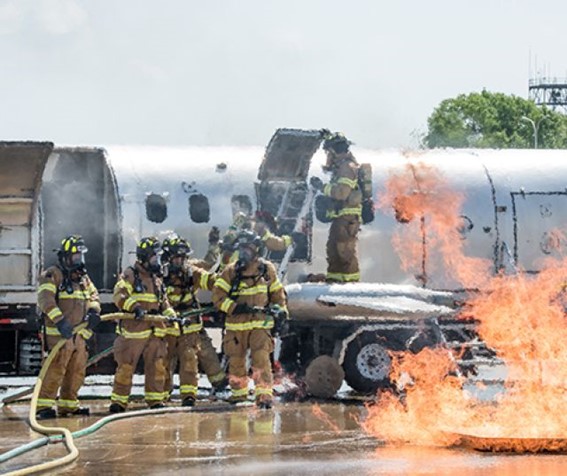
(63, 433)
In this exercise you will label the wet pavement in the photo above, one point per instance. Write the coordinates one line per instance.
(292, 438)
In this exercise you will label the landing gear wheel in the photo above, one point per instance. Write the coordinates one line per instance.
(367, 364)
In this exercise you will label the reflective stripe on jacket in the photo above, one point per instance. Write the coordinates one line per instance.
(344, 188)
(150, 296)
(181, 295)
(55, 301)
(258, 286)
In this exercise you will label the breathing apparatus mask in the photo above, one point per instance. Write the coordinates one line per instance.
(175, 252)
(248, 247)
(148, 253)
(246, 254)
(71, 255)
(153, 265)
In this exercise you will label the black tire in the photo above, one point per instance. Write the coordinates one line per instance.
(367, 363)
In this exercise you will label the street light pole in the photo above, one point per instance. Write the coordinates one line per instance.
(535, 126)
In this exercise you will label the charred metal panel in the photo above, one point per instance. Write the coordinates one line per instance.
(21, 168)
(283, 187)
(289, 154)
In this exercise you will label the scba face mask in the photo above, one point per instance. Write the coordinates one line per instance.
(175, 265)
(75, 263)
(246, 254)
(77, 260)
(154, 264)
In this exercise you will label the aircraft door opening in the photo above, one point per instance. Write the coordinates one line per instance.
(282, 190)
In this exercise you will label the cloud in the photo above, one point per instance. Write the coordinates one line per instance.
(59, 17)
(11, 16)
(55, 17)
(149, 70)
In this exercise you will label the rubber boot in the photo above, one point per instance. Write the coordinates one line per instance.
(188, 402)
(116, 408)
(46, 414)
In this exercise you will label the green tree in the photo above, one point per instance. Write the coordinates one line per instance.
(494, 120)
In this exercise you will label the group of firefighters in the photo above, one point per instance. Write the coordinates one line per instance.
(161, 316)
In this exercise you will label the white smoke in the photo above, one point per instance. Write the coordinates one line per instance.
(55, 17)
(11, 16)
(59, 17)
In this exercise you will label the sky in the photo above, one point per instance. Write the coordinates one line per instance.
(216, 72)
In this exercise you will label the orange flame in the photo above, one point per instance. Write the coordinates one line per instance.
(321, 415)
(521, 317)
(422, 199)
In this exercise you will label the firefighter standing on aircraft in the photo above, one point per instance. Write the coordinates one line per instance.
(343, 189)
(245, 287)
(140, 290)
(67, 297)
(184, 342)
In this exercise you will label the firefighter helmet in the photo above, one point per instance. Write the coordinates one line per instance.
(249, 245)
(148, 253)
(72, 245)
(175, 246)
(249, 238)
(229, 241)
(147, 247)
(337, 142)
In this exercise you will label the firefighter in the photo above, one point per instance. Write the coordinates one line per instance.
(140, 290)
(213, 251)
(264, 225)
(229, 249)
(66, 297)
(188, 342)
(343, 189)
(246, 292)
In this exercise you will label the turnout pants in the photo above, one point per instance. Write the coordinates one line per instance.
(66, 374)
(342, 250)
(260, 343)
(184, 349)
(209, 360)
(127, 353)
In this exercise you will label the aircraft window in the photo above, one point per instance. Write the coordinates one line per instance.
(199, 208)
(156, 208)
(241, 203)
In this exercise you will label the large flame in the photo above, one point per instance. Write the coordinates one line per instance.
(520, 316)
(422, 199)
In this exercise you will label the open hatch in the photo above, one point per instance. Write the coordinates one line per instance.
(282, 187)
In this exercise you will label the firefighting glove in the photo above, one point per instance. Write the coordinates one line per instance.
(281, 318)
(243, 309)
(278, 312)
(139, 313)
(214, 235)
(316, 183)
(65, 328)
(325, 133)
(281, 326)
(93, 318)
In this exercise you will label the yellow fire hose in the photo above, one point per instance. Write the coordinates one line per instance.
(66, 433)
